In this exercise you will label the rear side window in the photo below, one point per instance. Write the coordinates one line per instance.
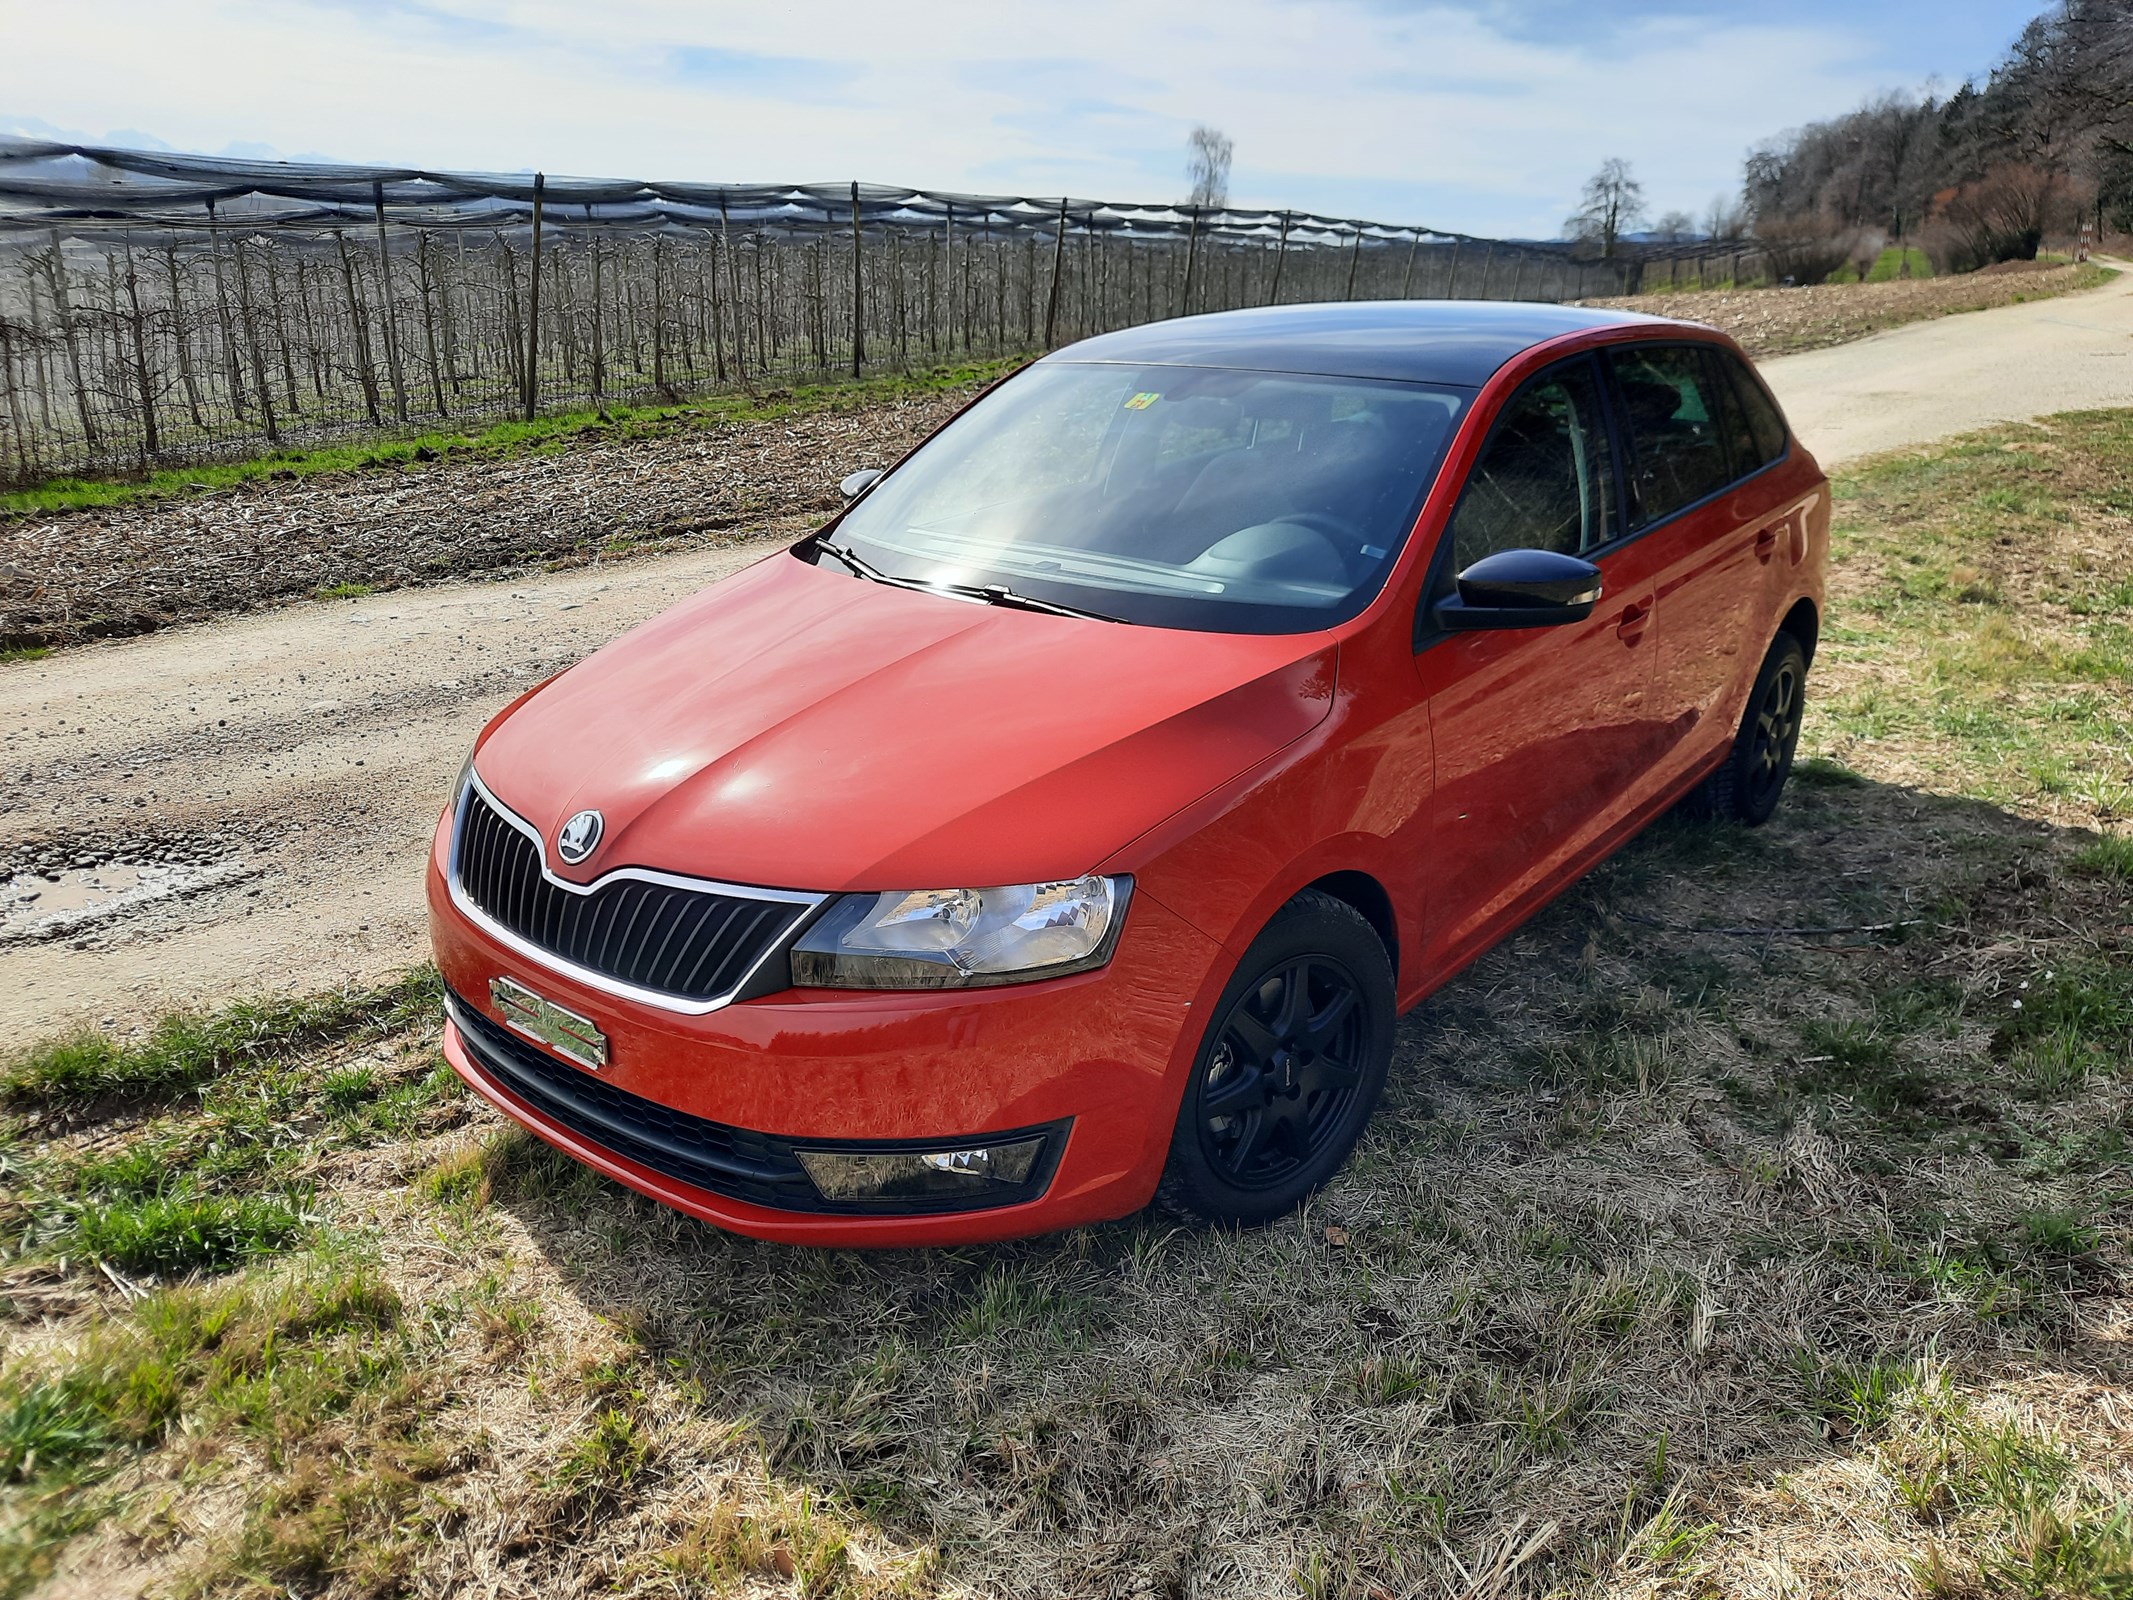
(1766, 429)
(1672, 413)
(1545, 480)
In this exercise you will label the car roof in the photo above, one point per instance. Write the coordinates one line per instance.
(1417, 341)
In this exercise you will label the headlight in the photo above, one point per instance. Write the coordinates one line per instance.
(459, 784)
(962, 938)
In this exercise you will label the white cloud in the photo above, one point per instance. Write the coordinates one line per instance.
(1429, 113)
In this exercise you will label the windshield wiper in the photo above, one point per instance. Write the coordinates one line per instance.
(998, 594)
(992, 594)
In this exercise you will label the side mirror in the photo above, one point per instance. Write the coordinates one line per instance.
(1522, 589)
(859, 483)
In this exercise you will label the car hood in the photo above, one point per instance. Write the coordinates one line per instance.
(797, 727)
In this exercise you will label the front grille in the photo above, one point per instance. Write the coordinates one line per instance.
(734, 1162)
(695, 944)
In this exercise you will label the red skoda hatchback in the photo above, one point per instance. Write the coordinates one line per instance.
(1065, 825)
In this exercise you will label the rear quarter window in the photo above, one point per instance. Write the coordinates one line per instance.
(1766, 428)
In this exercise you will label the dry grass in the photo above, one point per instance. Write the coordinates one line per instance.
(1679, 1262)
(1775, 322)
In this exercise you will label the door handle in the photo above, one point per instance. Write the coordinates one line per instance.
(1630, 625)
(1766, 543)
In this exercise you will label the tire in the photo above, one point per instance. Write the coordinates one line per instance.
(1280, 1094)
(1747, 785)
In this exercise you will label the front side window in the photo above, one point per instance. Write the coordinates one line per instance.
(1186, 497)
(1545, 480)
(1671, 416)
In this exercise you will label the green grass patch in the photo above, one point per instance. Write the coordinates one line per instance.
(504, 438)
(189, 1050)
(175, 1235)
(1894, 262)
(271, 1361)
(2111, 856)
(218, 1118)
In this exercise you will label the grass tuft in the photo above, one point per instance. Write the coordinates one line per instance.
(188, 1051)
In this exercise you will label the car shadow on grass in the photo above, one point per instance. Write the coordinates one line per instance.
(1776, 1156)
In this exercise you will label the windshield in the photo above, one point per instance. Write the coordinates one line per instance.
(1182, 497)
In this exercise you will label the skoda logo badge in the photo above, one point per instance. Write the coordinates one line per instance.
(578, 837)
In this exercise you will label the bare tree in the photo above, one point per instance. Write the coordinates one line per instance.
(1613, 205)
(1675, 226)
(1724, 219)
(1208, 152)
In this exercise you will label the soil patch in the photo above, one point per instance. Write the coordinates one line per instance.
(1771, 322)
(132, 568)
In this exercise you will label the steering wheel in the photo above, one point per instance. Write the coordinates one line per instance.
(1345, 537)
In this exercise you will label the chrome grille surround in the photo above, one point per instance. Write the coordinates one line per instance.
(795, 906)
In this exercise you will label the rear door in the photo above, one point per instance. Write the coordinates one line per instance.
(1542, 735)
(1710, 525)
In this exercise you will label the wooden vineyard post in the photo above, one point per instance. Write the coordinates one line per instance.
(385, 305)
(1192, 260)
(1407, 274)
(444, 315)
(859, 338)
(762, 314)
(947, 284)
(1029, 290)
(427, 284)
(533, 303)
(1051, 304)
(233, 369)
(1355, 259)
(903, 307)
(717, 314)
(56, 271)
(151, 446)
(733, 294)
(366, 372)
(1281, 260)
(1451, 276)
(599, 330)
(659, 323)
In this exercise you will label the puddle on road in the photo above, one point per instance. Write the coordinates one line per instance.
(50, 905)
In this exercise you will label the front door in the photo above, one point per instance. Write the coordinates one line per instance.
(1544, 736)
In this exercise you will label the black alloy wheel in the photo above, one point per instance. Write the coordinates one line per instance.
(1283, 1072)
(1747, 786)
(1776, 735)
(1290, 1069)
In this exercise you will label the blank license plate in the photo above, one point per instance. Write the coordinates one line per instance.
(562, 1030)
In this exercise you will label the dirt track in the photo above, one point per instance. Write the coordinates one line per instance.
(265, 785)
(242, 806)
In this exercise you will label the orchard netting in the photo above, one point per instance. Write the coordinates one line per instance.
(160, 308)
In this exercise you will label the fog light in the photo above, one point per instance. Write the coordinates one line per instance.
(921, 1174)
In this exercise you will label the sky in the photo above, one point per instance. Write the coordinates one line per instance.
(1483, 116)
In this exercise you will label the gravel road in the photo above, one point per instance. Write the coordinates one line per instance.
(242, 806)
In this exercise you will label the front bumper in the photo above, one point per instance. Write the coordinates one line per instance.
(1095, 1061)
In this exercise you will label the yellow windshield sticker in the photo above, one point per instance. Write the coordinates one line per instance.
(1141, 402)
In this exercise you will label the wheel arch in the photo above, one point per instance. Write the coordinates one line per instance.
(1369, 899)
(1804, 623)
